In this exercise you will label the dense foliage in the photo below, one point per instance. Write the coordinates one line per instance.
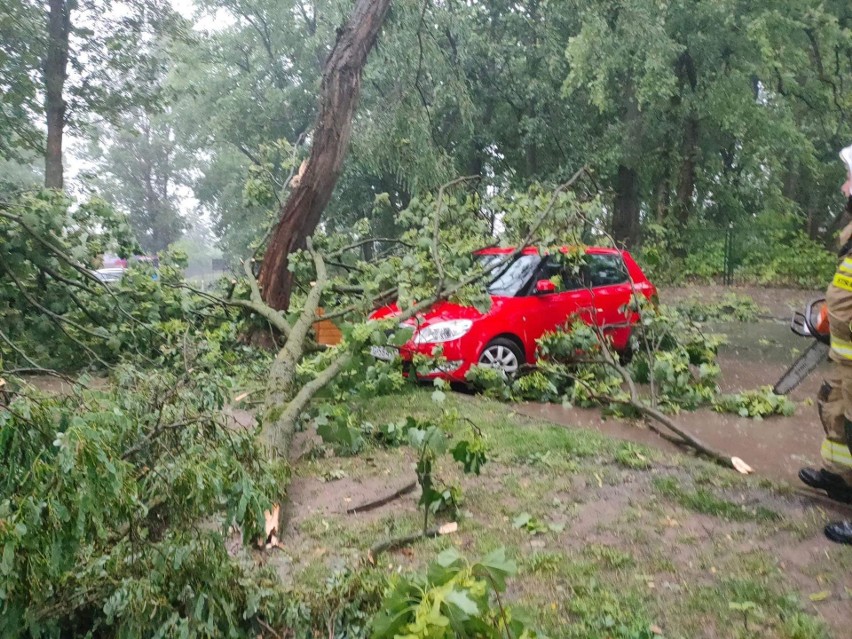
(57, 314)
(671, 356)
(693, 116)
(777, 255)
(117, 504)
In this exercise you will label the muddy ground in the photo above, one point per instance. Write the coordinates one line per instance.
(656, 537)
(674, 540)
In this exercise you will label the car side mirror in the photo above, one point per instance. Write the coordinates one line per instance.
(545, 286)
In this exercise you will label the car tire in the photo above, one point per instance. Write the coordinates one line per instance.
(503, 354)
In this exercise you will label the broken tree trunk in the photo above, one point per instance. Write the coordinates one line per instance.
(341, 84)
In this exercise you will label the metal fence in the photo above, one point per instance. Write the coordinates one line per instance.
(738, 254)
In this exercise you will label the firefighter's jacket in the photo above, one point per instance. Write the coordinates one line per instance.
(838, 299)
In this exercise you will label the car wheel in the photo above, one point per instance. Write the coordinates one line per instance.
(504, 355)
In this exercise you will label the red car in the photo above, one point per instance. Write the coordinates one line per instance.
(525, 304)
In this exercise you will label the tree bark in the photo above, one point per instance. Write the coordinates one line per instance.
(625, 215)
(55, 74)
(686, 179)
(341, 84)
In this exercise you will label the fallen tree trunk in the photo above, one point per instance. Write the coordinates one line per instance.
(341, 85)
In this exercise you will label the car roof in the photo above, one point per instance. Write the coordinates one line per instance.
(533, 250)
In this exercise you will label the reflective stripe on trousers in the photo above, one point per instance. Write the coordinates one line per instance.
(836, 453)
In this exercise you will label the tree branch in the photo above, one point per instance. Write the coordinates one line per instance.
(378, 503)
(156, 433)
(36, 368)
(285, 425)
(370, 240)
(436, 220)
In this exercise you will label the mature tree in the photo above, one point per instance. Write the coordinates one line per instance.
(706, 107)
(139, 170)
(690, 113)
(55, 75)
(339, 92)
(80, 57)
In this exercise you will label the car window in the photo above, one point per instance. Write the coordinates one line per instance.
(514, 278)
(568, 280)
(604, 270)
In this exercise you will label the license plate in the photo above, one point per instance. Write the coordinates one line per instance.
(380, 352)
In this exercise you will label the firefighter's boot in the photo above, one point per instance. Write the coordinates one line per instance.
(839, 532)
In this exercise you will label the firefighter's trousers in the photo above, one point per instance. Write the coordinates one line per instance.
(835, 408)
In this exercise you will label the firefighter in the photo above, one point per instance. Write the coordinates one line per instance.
(835, 396)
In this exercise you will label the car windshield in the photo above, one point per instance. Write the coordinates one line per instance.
(510, 279)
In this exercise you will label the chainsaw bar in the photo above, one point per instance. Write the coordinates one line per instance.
(801, 368)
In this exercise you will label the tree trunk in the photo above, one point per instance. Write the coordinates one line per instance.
(341, 84)
(55, 73)
(686, 179)
(625, 216)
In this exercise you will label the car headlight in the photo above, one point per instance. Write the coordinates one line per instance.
(442, 332)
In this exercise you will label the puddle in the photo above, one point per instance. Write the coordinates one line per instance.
(767, 342)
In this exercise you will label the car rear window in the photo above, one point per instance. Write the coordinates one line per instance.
(604, 270)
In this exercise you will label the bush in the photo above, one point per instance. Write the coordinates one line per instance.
(778, 255)
(792, 260)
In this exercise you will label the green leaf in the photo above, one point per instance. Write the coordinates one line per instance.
(401, 336)
(461, 599)
(497, 567)
(521, 520)
(7, 562)
(448, 557)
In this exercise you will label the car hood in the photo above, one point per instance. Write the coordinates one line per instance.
(440, 312)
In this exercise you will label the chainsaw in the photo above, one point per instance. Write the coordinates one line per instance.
(813, 323)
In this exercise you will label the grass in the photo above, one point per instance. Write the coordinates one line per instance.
(633, 554)
(706, 502)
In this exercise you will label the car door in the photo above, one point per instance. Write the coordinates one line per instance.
(606, 277)
(549, 311)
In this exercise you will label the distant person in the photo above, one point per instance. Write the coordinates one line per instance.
(835, 396)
